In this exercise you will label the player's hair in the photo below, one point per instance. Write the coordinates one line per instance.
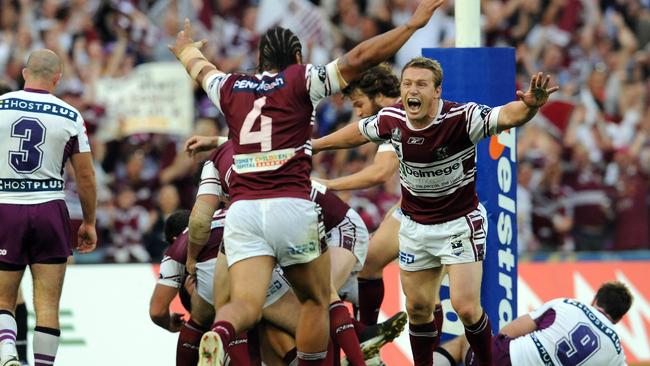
(4, 87)
(426, 63)
(377, 80)
(615, 299)
(175, 224)
(278, 49)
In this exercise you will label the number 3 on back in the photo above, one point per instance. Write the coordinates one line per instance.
(263, 136)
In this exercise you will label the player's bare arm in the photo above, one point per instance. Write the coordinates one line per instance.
(519, 327)
(159, 308)
(199, 228)
(188, 52)
(380, 171)
(515, 114)
(379, 48)
(347, 137)
(197, 144)
(86, 188)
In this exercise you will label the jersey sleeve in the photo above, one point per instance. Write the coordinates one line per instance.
(386, 147)
(210, 182)
(323, 81)
(373, 130)
(481, 121)
(83, 144)
(171, 272)
(212, 86)
(544, 308)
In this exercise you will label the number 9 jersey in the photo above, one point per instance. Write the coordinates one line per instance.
(270, 118)
(569, 333)
(38, 133)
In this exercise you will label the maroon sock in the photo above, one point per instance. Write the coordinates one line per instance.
(225, 330)
(371, 295)
(238, 351)
(438, 318)
(422, 337)
(254, 346)
(359, 327)
(479, 336)
(343, 332)
(315, 359)
(187, 348)
(290, 357)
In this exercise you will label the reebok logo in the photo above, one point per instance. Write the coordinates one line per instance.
(429, 173)
(415, 140)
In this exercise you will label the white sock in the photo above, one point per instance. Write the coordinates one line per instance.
(8, 329)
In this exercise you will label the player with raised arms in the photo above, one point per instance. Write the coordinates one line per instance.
(271, 218)
(38, 133)
(443, 222)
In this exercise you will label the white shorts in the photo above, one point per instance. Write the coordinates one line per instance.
(285, 228)
(351, 234)
(205, 285)
(397, 214)
(462, 240)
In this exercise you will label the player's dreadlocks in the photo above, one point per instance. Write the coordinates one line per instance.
(278, 48)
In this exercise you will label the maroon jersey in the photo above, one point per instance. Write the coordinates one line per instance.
(270, 119)
(129, 226)
(333, 208)
(178, 250)
(437, 162)
(217, 170)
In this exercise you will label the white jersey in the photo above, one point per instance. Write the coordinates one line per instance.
(569, 333)
(38, 133)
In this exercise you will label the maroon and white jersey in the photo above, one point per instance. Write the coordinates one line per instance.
(217, 171)
(172, 266)
(333, 208)
(437, 162)
(270, 118)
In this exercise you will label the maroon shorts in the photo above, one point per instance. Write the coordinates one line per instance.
(35, 233)
(500, 352)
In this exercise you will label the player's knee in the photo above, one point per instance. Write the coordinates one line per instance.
(467, 311)
(419, 310)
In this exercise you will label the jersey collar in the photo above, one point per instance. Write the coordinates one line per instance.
(40, 91)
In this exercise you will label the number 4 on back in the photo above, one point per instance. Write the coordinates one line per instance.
(263, 136)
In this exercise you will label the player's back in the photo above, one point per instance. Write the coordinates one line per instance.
(270, 117)
(569, 333)
(178, 249)
(38, 133)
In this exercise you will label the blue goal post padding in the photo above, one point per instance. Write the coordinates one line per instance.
(487, 76)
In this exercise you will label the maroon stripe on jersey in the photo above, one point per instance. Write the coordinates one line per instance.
(471, 236)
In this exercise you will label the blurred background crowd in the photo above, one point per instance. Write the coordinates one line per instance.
(584, 161)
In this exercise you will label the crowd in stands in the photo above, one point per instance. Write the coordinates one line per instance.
(584, 162)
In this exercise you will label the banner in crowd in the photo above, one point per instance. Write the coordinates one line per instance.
(105, 318)
(155, 97)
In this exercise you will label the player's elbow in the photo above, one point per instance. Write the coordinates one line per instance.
(199, 226)
(158, 313)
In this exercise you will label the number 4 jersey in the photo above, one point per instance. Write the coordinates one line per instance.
(270, 118)
(38, 133)
(569, 333)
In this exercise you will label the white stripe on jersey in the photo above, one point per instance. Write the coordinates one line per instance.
(390, 114)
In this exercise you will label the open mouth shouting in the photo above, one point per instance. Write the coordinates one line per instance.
(413, 105)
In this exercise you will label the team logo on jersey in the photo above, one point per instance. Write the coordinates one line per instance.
(456, 245)
(440, 153)
(415, 140)
(322, 73)
(396, 134)
(485, 110)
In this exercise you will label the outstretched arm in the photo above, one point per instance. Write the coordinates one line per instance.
(379, 48)
(188, 52)
(519, 327)
(515, 114)
(347, 137)
(380, 171)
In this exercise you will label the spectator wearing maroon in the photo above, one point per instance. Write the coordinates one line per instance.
(130, 223)
(632, 230)
(589, 201)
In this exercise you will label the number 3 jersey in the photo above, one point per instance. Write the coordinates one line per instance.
(568, 333)
(270, 118)
(38, 133)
